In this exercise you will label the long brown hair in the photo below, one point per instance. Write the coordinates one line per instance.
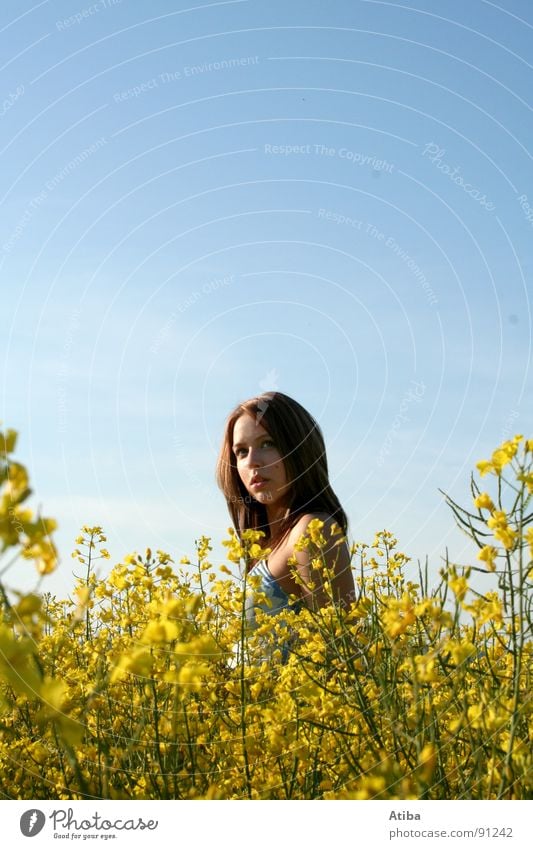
(299, 440)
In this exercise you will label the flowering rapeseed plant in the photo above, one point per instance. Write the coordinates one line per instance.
(148, 683)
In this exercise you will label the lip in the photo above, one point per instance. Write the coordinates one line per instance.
(258, 481)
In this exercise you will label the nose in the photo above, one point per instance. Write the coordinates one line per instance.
(253, 458)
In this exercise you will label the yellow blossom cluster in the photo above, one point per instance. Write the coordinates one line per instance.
(501, 456)
(148, 683)
(19, 528)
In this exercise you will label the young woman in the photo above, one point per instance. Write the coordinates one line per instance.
(273, 471)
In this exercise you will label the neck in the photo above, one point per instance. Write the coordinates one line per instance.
(275, 516)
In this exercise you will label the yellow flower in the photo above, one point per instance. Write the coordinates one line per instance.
(502, 532)
(17, 485)
(235, 549)
(257, 552)
(163, 631)
(314, 529)
(8, 440)
(501, 457)
(53, 693)
(29, 605)
(475, 715)
(497, 520)
(191, 676)
(486, 609)
(527, 479)
(458, 585)
(484, 501)
(488, 555)
(427, 761)
(139, 662)
(425, 668)
(460, 650)
(335, 529)
(44, 554)
(507, 537)
(398, 615)
(484, 467)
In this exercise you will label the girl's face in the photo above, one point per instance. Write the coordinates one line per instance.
(259, 463)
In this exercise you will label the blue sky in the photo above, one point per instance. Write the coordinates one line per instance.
(203, 201)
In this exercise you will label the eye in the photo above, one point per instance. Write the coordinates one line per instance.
(268, 442)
